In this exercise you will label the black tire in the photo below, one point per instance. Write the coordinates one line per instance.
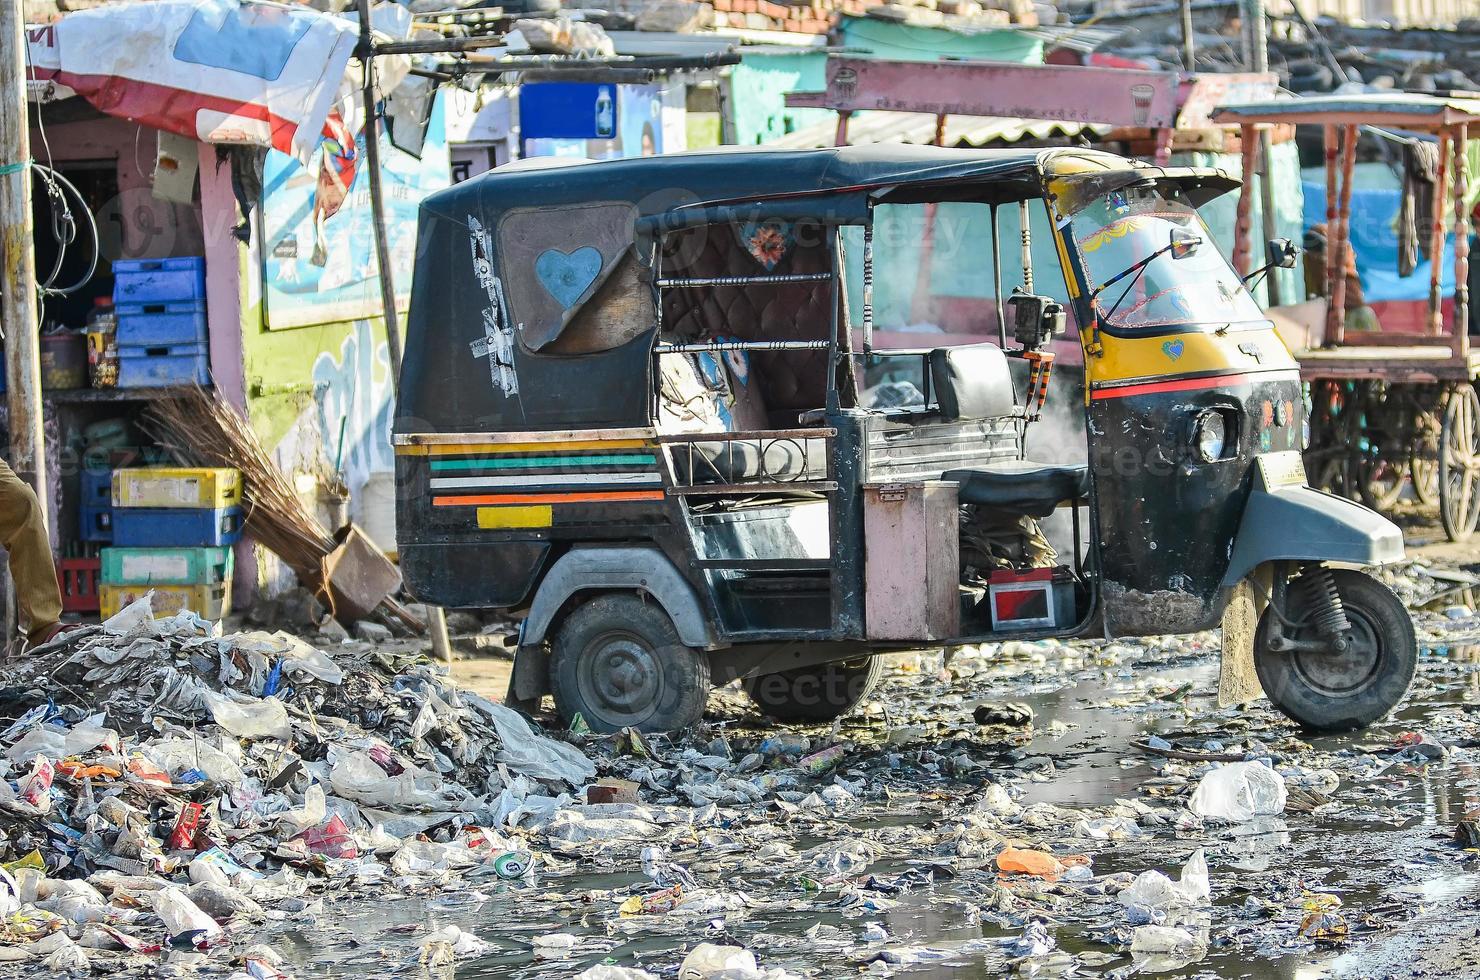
(1329, 693)
(618, 662)
(815, 694)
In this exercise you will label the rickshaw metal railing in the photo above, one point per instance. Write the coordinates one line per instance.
(687, 481)
(777, 280)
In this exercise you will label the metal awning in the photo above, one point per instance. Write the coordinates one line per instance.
(882, 126)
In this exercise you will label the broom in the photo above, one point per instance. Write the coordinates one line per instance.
(204, 428)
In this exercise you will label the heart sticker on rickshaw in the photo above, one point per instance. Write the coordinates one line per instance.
(567, 275)
(1172, 349)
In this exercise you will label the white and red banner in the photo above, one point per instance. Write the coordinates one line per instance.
(219, 71)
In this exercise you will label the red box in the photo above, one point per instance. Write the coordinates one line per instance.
(1022, 600)
(78, 579)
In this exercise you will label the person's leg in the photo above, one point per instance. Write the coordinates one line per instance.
(23, 534)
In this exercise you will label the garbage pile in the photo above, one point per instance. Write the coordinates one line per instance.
(163, 786)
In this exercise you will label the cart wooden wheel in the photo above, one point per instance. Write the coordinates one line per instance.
(1423, 471)
(1459, 464)
(1381, 483)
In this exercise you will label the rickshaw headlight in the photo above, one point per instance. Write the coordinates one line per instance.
(1209, 434)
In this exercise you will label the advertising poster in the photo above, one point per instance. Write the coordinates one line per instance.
(637, 130)
(318, 248)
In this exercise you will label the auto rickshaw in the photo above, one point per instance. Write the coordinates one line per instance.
(635, 414)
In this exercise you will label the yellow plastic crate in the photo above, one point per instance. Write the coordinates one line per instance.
(209, 601)
(177, 486)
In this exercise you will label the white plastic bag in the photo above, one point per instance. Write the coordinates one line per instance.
(1239, 791)
(534, 755)
(1155, 892)
(252, 718)
(707, 959)
(181, 916)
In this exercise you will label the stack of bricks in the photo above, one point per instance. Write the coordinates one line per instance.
(797, 16)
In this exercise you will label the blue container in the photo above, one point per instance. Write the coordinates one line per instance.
(170, 527)
(97, 488)
(159, 280)
(161, 324)
(95, 523)
(168, 364)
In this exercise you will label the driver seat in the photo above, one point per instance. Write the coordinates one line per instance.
(972, 382)
(1021, 486)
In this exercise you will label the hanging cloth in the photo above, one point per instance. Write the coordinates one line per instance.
(1420, 175)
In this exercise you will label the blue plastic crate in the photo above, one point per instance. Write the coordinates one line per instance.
(95, 523)
(170, 527)
(168, 364)
(159, 280)
(161, 324)
(97, 488)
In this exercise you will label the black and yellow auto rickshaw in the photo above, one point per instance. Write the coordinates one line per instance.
(636, 412)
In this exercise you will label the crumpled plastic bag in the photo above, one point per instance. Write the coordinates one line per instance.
(177, 755)
(709, 960)
(253, 718)
(1153, 891)
(604, 971)
(183, 918)
(356, 776)
(1238, 792)
(535, 755)
(60, 743)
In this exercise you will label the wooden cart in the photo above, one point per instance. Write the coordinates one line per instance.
(1384, 405)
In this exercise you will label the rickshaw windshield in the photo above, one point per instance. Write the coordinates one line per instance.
(1119, 229)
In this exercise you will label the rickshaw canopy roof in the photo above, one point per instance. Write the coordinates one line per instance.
(682, 181)
(1395, 109)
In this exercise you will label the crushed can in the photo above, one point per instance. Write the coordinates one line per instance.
(513, 864)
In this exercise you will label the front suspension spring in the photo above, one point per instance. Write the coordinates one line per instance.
(1326, 611)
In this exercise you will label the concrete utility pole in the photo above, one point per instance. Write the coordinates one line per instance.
(1257, 27)
(18, 305)
(1189, 53)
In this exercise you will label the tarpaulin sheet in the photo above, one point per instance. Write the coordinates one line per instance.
(1374, 236)
(219, 71)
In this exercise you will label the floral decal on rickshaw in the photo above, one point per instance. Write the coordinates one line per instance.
(768, 242)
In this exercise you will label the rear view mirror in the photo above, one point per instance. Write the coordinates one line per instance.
(1282, 253)
(1184, 243)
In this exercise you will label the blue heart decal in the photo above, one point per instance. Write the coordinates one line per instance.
(1172, 349)
(566, 276)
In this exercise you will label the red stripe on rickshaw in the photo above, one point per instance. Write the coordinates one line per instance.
(1183, 384)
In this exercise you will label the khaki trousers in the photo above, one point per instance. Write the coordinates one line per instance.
(23, 533)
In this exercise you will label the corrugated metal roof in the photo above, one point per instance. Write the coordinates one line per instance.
(919, 128)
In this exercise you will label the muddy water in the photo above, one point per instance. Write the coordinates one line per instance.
(1384, 846)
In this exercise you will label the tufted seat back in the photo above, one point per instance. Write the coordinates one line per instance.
(790, 381)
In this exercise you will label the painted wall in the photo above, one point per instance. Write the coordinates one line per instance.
(758, 87)
(324, 391)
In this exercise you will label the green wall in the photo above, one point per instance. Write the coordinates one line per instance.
(758, 87)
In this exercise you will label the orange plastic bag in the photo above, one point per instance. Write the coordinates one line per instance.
(1025, 862)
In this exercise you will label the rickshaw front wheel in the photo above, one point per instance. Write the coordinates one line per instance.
(815, 694)
(618, 662)
(1327, 691)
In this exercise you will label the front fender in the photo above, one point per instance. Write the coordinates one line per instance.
(1297, 523)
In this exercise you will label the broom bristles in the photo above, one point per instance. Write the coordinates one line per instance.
(211, 432)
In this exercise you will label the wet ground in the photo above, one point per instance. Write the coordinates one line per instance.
(885, 865)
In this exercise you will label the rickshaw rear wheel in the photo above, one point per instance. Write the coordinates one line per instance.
(1327, 691)
(815, 694)
(618, 662)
